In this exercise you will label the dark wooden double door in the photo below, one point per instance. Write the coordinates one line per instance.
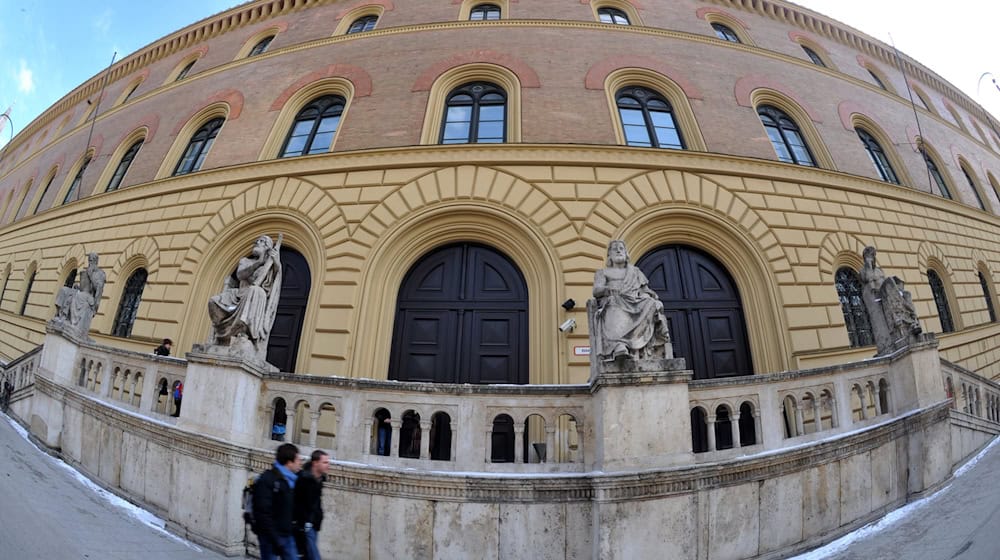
(702, 306)
(283, 345)
(461, 317)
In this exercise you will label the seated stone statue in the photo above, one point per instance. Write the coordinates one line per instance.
(76, 306)
(628, 318)
(243, 313)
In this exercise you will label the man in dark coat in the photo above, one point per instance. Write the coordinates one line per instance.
(274, 503)
(309, 501)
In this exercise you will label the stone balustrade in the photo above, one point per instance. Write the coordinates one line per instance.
(751, 414)
(495, 428)
(21, 372)
(143, 382)
(971, 393)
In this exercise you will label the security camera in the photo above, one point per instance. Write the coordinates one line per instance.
(568, 325)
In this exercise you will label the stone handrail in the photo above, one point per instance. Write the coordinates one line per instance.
(455, 423)
(971, 393)
(130, 378)
(785, 407)
(21, 371)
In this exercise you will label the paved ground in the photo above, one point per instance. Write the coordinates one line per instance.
(961, 522)
(46, 512)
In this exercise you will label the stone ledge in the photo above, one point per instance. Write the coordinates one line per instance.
(638, 378)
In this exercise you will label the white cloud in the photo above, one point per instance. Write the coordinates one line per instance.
(25, 78)
(103, 22)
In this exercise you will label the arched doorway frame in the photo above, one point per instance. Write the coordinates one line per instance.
(418, 234)
(234, 243)
(743, 258)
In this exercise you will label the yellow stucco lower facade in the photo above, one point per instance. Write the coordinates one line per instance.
(363, 219)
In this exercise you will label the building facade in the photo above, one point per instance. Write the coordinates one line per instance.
(446, 176)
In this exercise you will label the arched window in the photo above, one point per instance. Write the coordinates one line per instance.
(382, 432)
(130, 92)
(815, 58)
(485, 12)
(935, 174)
(362, 24)
(613, 15)
(129, 306)
(314, 127)
(785, 136)
(878, 157)
(70, 278)
(988, 296)
(27, 291)
(725, 33)
(475, 113)
(185, 71)
(74, 187)
(859, 329)
(198, 147)
(975, 189)
(44, 192)
(6, 280)
(261, 46)
(941, 300)
(123, 165)
(648, 119)
(876, 79)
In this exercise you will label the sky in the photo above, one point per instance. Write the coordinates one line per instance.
(50, 47)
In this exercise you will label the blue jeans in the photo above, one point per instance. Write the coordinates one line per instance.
(312, 551)
(287, 544)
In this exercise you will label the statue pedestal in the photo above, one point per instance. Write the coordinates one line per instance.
(917, 381)
(58, 365)
(222, 398)
(641, 417)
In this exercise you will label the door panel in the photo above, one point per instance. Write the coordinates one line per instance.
(283, 345)
(702, 306)
(478, 301)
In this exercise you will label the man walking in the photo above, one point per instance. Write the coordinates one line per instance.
(309, 501)
(273, 505)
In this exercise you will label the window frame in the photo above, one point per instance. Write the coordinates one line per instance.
(612, 13)
(321, 108)
(124, 322)
(77, 183)
(486, 9)
(940, 294)
(126, 160)
(648, 95)
(197, 158)
(988, 294)
(972, 184)
(771, 112)
(856, 319)
(814, 56)
(725, 32)
(476, 111)
(935, 172)
(364, 20)
(878, 156)
(261, 46)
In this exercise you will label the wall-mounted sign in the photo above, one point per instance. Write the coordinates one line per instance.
(581, 350)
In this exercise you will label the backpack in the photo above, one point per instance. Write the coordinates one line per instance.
(248, 503)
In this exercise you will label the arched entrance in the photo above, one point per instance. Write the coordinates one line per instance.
(461, 317)
(283, 346)
(702, 305)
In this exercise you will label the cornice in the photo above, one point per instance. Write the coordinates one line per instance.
(846, 35)
(643, 160)
(250, 14)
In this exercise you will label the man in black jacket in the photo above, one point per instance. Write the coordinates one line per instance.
(309, 501)
(274, 504)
